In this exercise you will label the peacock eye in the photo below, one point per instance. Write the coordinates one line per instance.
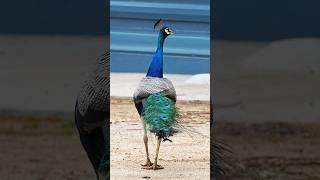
(167, 31)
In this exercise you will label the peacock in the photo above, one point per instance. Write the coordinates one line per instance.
(92, 117)
(155, 99)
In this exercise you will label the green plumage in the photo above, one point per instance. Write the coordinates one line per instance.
(160, 115)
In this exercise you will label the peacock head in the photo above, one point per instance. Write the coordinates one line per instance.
(164, 31)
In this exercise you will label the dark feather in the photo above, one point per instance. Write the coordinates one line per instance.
(220, 160)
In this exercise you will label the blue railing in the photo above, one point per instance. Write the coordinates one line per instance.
(133, 39)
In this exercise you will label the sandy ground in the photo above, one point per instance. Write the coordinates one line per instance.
(272, 150)
(187, 157)
(48, 148)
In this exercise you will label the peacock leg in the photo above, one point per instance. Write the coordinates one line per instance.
(145, 140)
(155, 165)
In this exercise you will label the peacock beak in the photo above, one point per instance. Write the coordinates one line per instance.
(171, 31)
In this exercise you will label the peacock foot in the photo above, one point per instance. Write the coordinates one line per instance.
(147, 164)
(154, 167)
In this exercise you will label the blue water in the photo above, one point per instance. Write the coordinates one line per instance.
(133, 39)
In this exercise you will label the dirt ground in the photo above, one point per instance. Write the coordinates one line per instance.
(41, 148)
(48, 148)
(187, 157)
(272, 150)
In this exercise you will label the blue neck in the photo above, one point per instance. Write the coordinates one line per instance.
(156, 66)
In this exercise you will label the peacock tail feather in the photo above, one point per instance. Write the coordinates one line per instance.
(160, 115)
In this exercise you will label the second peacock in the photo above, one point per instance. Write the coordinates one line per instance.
(155, 100)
